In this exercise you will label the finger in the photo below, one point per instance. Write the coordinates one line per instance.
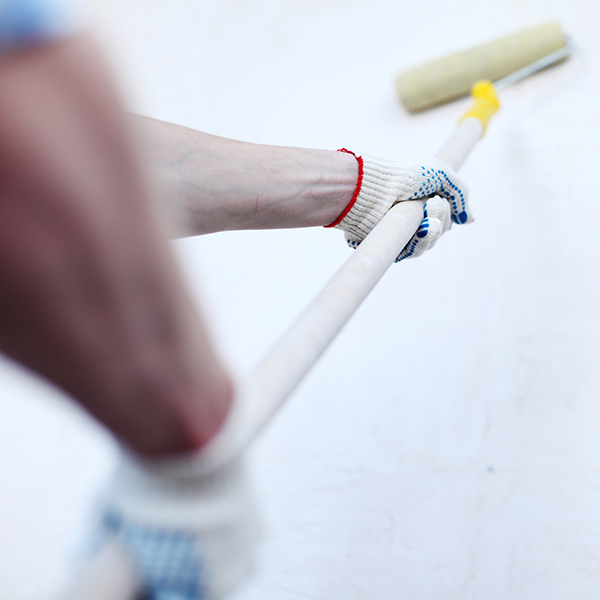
(352, 241)
(434, 234)
(439, 208)
(425, 238)
(454, 190)
(410, 250)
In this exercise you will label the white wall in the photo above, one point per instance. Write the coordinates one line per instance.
(446, 446)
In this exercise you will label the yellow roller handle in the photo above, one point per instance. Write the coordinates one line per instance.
(485, 102)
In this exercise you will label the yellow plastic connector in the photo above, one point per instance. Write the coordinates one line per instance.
(485, 102)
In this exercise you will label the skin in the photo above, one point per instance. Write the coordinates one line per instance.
(217, 184)
(91, 296)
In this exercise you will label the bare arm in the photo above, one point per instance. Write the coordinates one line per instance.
(91, 297)
(217, 184)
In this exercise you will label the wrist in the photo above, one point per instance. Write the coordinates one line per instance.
(164, 416)
(347, 169)
(357, 189)
(157, 399)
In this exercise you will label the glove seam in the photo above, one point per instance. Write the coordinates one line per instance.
(380, 189)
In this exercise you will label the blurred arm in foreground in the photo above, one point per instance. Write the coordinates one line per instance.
(92, 299)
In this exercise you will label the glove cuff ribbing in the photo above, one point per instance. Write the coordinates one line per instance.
(381, 183)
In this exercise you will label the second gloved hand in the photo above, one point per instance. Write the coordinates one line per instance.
(183, 533)
(383, 182)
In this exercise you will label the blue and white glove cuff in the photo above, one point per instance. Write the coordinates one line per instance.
(29, 22)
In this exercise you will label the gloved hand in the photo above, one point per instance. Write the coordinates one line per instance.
(385, 182)
(189, 535)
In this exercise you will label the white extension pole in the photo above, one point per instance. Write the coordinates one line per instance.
(267, 387)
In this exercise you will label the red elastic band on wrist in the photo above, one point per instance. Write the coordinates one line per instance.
(356, 191)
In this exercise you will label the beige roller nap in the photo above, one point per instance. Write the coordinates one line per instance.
(451, 77)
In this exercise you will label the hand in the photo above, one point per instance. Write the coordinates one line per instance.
(188, 534)
(385, 182)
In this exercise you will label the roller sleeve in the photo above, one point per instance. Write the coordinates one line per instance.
(451, 77)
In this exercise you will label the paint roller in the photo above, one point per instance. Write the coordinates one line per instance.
(451, 77)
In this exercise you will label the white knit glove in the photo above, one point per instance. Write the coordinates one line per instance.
(384, 182)
(189, 535)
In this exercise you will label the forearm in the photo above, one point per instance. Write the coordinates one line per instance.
(91, 297)
(215, 184)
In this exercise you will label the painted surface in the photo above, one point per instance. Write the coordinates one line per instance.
(447, 445)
